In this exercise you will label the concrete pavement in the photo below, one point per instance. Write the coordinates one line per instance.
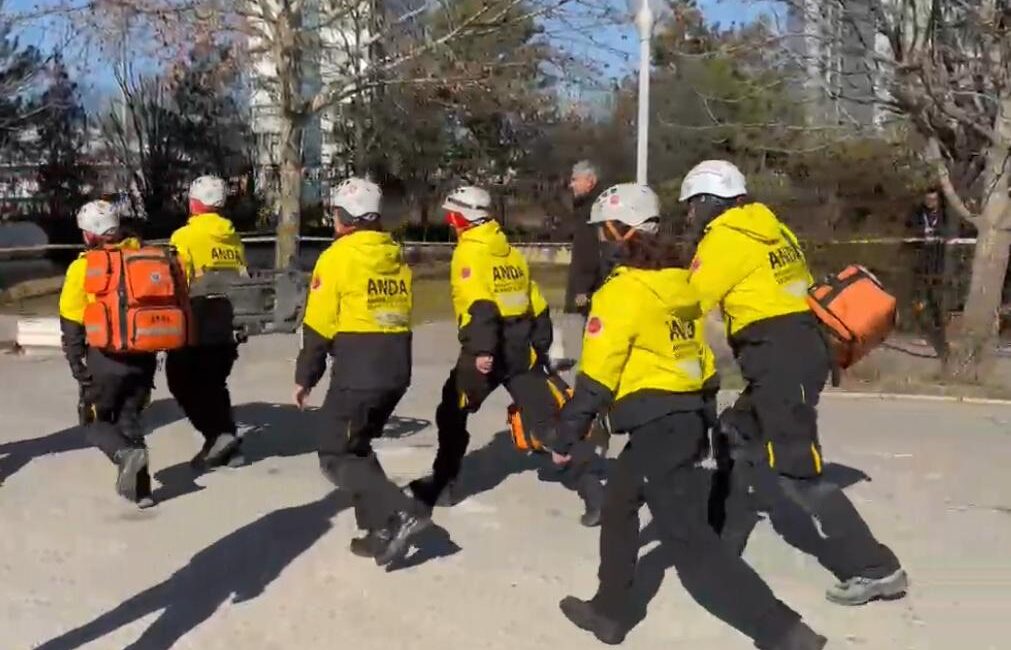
(257, 558)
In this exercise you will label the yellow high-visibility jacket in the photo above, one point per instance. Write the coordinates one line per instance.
(751, 265)
(359, 310)
(643, 350)
(499, 309)
(208, 242)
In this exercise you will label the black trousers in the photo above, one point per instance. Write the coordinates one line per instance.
(660, 465)
(464, 392)
(348, 422)
(930, 311)
(121, 390)
(772, 460)
(198, 380)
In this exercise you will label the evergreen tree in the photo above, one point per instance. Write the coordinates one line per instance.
(62, 129)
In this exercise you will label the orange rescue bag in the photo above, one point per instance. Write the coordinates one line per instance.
(856, 310)
(523, 440)
(140, 300)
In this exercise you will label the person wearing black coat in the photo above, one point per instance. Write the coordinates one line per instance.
(586, 269)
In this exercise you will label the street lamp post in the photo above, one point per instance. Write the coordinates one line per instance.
(645, 14)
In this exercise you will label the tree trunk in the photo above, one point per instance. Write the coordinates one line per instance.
(973, 345)
(290, 202)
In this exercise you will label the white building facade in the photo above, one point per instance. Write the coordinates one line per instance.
(329, 48)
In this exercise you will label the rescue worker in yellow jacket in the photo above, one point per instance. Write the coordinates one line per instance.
(359, 312)
(211, 255)
(645, 359)
(505, 336)
(751, 265)
(114, 388)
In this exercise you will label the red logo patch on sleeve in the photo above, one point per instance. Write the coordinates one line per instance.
(316, 282)
(465, 272)
(696, 263)
(594, 326)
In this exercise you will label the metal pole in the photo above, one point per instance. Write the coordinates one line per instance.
(644, 22)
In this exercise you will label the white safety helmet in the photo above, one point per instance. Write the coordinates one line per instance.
(358, 198)
(628, 203)
(716, 177)
(211, 191)
(98, 218)
(472, 203)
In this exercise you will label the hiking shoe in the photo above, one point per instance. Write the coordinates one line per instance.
(801, 637)
(144, 498)
(449, 496)
(590, 518)
(131, 463)
(236, 459)
(425, 491)
(395, 538)
(221, 450)
(860, 590)
(368, 545)
(584, 616)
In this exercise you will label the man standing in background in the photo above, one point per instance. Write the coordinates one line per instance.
(931, 225)
(585, 268)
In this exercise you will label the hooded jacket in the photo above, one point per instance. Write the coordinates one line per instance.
(499, 310)
(358, 311)
(751, 265)
(211, 255)
(208, 242)
(643, 351)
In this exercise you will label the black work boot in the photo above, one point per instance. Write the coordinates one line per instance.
(425, 491)
(593, 499)
(590, 518)
(144, 498)
(217, 452)
(368, 545)
(449, 496)
(860, 590)
(801, 637)
(130, 462)
(222, 449)
(396, 537)
(584, 616)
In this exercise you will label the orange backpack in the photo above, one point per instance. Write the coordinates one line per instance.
(856, 310)
(524, 440)
(140, 303)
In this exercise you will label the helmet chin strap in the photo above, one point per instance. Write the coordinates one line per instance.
(615, 235)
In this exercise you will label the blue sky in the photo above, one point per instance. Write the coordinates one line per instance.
(616, 46)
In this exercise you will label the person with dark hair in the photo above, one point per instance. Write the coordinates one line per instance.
(114, 387)
(932, 228)
(751, 265)
(644, 358)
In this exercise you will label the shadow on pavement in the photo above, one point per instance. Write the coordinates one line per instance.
(790, 522)
(486, 468)
(14, 456)
(274, 431)
(430, 544)
(236, 568)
